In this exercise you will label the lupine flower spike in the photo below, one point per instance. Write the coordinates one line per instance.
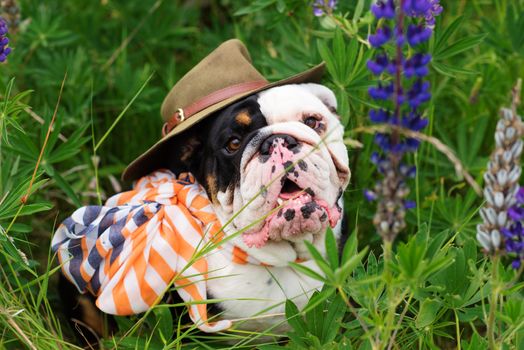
(4, 50)
(401, 98)
(503, 212)
(10, 11)
(320, 6)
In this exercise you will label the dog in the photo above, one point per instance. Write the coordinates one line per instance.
(275, 167)
(282, 147)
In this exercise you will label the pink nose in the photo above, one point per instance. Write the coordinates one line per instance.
(288, 141)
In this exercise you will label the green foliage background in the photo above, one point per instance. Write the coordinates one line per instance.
(117, 52)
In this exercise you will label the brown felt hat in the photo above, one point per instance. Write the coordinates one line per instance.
(224, 76)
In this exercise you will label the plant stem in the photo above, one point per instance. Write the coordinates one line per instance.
(399, 323)
(493, 301)
(457, 329)
(390, 312)
(352, 309)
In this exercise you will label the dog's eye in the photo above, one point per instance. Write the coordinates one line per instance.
(233, 144)
(312, 122)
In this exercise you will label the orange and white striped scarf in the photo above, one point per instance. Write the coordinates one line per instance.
(128, 251)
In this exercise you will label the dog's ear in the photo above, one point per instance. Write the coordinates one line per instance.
(183, 150)
(324, 94)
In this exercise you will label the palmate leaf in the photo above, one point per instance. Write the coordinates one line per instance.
(442, 34)
(441, 50)
(451, 71)
(346, 65)
(459, 46)
(68, 149)
(321, 321)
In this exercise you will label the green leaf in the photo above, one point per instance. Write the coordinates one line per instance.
(307, 271)
(475, 343)
(255, 6)
(164, 320)
(441, 39)
(459, 46)
(437, 242)
(358, 10)
(327, 57)
(64, 186)
(343, 273)
(451, 71)
(296, 321)
(350, 248)
(319, 260)
(427, 313)
(336, 309)
(331, 248)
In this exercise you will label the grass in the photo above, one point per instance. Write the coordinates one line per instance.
(436, 289)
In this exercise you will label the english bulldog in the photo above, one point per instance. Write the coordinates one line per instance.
(275, 167)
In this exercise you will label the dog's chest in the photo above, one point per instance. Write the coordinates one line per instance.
(257, 293)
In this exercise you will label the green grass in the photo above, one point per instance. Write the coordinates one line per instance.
(122, 57)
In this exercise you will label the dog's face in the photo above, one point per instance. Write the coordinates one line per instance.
(275, 162)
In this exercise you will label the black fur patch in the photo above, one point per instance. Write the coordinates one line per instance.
(211, 157)
(308, 209)
(302, 165)
(289, 214)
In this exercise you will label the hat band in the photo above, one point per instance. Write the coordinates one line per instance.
(182, 114)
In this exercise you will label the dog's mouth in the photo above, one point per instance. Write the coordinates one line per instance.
(289, 191)
(297, 213)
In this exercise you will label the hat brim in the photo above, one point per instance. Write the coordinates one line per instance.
(154, 157)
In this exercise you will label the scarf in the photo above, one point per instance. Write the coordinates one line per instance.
(128, 251)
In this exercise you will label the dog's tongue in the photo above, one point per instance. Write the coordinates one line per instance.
(257, 239)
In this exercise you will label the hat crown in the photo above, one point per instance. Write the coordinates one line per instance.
(226, 66)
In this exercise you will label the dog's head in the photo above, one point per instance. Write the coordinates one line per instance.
(275, 163)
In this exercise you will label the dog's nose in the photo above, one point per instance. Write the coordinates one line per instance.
(288, 141)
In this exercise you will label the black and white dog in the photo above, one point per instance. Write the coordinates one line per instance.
(282, 147)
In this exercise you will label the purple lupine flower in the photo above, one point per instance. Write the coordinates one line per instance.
(384, 9)
(417, 8)
(380, 64)
(320, 6)
(516, 213)
(514, 235)
(436, 9)
(520, 196)
(418, 94)
(418, 34)
(4, 50)
(370, 195)
(401, 99)
(417, 65)
(381, 92)
(381, 37)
